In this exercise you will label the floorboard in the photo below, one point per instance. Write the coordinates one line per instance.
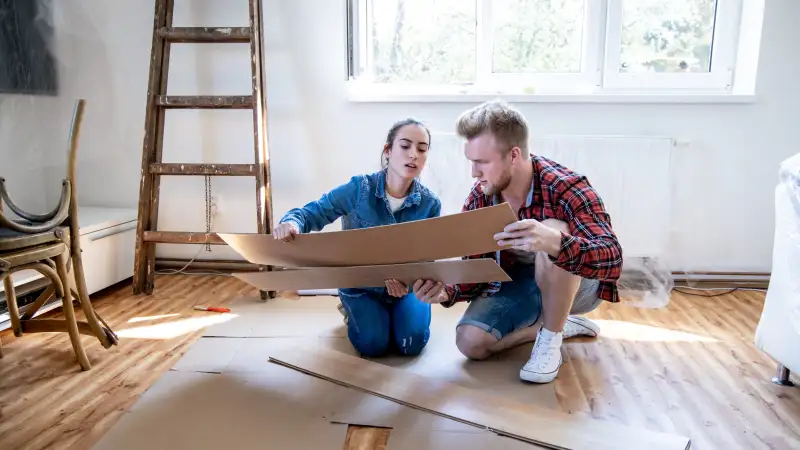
(689, 368)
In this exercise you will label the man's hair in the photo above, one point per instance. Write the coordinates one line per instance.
(505, 123)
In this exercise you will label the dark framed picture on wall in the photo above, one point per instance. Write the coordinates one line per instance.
(27, 65)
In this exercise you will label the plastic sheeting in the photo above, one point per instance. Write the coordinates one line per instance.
(786, 259)
(645, 283)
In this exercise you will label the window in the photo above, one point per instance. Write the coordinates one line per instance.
(545, 46)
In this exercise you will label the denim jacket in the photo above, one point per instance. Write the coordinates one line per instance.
(361, 203)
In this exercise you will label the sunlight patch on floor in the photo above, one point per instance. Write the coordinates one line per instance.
(152, 318)
(628, 331)
(174, 329)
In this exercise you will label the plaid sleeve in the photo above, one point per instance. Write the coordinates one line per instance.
(467, 291)
(591, 250)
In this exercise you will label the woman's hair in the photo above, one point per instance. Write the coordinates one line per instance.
(392, 135)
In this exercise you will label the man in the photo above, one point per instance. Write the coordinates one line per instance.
(562, 255)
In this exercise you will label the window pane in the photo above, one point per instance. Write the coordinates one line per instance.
(537, 35)
(667, 35)
(422, 41)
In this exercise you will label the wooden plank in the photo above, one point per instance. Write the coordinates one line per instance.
(204, 169)
(541, 426)
(151, 150)
(449, 272)
(260, 140)
(453, 235)
(366, 438)
(405, 439)
(182, 237)
(205, 34)
(53, 326)
(205, 101)
(159, 151)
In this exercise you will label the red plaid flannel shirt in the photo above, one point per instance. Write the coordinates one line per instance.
(590, 250)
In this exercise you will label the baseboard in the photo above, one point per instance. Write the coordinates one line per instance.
(722, 280)
(226, 266)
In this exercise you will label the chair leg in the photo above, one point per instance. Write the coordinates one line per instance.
(99, 327)
(782, 378)
(13, 309)
(102, 331)
(1, 349)
(69, 313)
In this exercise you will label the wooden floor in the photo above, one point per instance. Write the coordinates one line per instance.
(690, 368)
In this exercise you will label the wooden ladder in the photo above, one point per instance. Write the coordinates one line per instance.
(164, 34)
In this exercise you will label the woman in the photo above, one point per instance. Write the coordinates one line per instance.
(379, 319)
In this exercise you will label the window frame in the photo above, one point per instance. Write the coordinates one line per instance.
(723, 51)
(587, 79)
(600, 56)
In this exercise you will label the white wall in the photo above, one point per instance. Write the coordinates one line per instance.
(101, 51)
(723, 184)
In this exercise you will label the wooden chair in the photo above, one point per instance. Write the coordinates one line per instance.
(50, 244)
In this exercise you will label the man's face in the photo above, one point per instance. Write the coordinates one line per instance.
(491, 163)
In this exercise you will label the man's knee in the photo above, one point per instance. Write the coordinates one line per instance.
(559, 225)
(473, 342)
(546, 271)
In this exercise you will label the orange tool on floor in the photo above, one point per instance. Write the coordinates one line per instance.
(212, 309)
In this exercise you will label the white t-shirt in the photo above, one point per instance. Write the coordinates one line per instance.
(395, 203)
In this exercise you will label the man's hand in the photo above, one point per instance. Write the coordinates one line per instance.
(429, 291)
(530, 235)
(285, 232)
(396, 288)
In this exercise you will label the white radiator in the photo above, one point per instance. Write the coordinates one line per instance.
(631, 174)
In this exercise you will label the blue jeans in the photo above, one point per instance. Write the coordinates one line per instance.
(378, 322)
(518, 304)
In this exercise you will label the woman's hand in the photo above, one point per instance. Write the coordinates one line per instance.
(430, 291)
(396, 288)
(285, 232)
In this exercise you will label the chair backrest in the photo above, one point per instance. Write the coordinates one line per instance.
(67, 206)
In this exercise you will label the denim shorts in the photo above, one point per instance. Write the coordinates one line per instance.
(518, 304)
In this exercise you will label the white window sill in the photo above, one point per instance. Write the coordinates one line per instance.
(366, 93)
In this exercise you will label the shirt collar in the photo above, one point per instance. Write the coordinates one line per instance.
(414, 195)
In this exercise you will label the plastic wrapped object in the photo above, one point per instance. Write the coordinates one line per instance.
(779, 326)
(786, 254)
(645, 283)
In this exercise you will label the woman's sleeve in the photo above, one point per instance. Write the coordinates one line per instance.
(436, 210)
(314, 216)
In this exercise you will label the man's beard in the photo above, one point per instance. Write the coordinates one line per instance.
(501, 185)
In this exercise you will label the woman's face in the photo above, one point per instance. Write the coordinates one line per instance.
(409, 151)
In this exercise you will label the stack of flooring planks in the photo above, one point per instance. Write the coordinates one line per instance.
(282, 374)
(367, 257)
(546, 428)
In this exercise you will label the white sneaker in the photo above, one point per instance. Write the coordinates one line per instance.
(545, 359)
(580, 326)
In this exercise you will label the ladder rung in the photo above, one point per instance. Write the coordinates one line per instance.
(205, 34)
(205, 101)
(180, 237)
(203, 169)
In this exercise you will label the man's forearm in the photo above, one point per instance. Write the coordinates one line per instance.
(466, 292)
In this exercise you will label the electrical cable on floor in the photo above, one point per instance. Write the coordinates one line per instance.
(182, 270)
(720, 294)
